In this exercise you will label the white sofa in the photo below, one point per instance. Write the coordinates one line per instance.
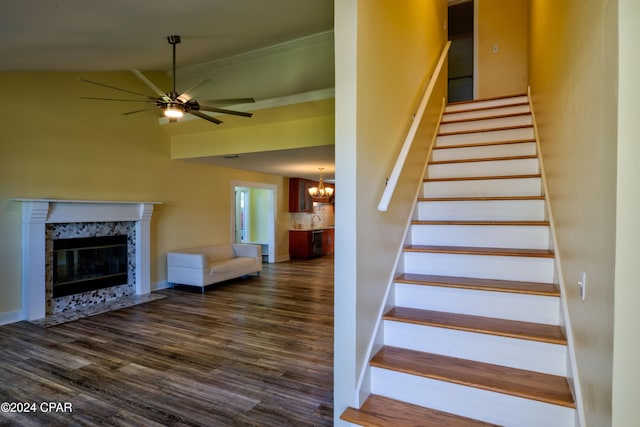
(212, 264)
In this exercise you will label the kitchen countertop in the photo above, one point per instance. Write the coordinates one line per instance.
(312, 228)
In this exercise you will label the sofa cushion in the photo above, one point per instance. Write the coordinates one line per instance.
(229, 265)
(220, 253)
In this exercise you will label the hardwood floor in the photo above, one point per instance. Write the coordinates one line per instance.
(256, 351)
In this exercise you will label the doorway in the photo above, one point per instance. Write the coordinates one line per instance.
(253, 216)
(461, 53)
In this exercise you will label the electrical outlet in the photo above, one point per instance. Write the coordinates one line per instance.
(582, 284)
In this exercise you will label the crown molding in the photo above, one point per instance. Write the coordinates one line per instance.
(291, 45)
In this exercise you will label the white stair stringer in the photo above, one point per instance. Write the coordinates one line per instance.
(478, 250)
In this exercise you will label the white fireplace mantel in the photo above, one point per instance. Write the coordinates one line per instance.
(36, 213)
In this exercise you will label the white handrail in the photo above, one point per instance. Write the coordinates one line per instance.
(411, 134)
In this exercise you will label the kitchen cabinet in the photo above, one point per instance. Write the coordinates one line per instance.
(300, 245)
(299, 198)
(305, 244)
(327, 241)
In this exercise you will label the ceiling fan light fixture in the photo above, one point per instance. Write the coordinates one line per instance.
(173, 111)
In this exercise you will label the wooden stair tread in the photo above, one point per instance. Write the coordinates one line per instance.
(494, 285)
(483, 159)
(493, 98)
(537, 386)
(485, 325)
(478, 198)
(464, 132)
(379, 411)
(483, 223)
(509, 286)
(483, 144)
(472, 250)
(480, 178)
(476, 119)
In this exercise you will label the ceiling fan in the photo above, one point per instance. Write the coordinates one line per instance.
(175, 105)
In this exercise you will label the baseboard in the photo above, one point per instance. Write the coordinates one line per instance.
(163, 284)
(11, 317)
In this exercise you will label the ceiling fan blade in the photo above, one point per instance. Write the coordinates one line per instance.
(224, 111)
(206, 117)
(150, 84)
(117, 88)
(137, 111)
(229, 101)
(190, 93)
(116, 99)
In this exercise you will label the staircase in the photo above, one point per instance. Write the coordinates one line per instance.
(474, 338)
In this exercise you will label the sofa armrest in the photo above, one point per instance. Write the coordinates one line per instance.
(187, 260)
(248, 250)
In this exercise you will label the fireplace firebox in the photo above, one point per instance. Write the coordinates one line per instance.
(89, 263)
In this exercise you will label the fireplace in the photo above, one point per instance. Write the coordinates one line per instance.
(69, 223)
(89, 263)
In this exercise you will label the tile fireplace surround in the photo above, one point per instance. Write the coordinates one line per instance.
(39, 215)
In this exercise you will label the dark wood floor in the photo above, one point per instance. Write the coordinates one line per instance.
(255, 351)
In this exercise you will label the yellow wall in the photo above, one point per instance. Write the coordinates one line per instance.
(501, 24)
(56, 145)
(572, 67)
(259, 205)
(310, 124)
(626, 341)
(384, 53)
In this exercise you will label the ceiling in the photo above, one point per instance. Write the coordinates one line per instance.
(115, 35)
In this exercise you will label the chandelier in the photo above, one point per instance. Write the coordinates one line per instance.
(321, 192)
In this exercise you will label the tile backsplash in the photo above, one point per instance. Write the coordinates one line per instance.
(322, 216)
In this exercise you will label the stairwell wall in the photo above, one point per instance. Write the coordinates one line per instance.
(573, 78)
(502, 39)
(384, 51)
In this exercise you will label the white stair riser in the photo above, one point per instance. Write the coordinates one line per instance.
(490, 123)
(488, 236)
(484, 151)
(486, 168)
(528, 210)
(484, 188)
(470, 402)
(483, 137)
(501, 305)
(528, 269)
(515, 353)
(516, 109)
(486, 104)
